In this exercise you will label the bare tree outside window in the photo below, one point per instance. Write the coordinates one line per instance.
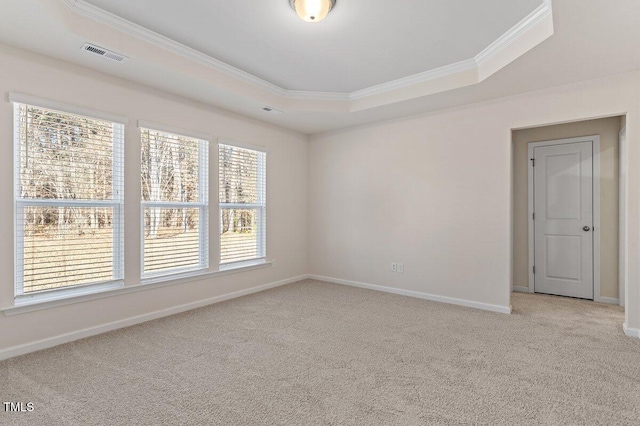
(242, 180)
(174, 202)
(68, 200)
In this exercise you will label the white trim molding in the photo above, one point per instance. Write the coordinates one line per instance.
(419, 295)
(506, 39)
(115, 325)
(97, 14)
(423, 77)
(142, 124)
(623, 225)
(316, 96)
(496, 50)
(631, 332)
(20, 98)
(101, 292)
(609, 300)
(244, 145)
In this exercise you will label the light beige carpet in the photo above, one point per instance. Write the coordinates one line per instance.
(315, 353)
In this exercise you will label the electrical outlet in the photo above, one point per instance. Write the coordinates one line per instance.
(394, 267)
(400, 268)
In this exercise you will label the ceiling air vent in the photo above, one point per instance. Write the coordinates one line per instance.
(92, 48)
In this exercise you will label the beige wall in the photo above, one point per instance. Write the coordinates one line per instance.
(435, 192)
(431, 191)
(286, 193)
(608, 129)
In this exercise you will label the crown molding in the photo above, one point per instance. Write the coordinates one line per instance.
(515, 32)
(128, 27)
(317, 96)
(93, 12)
(411, 80)
(493, 49)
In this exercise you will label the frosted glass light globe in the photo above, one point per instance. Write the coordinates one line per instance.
(312, 10)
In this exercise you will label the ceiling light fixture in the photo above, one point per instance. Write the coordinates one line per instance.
(312, 10)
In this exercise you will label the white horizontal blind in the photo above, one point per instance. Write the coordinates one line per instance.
(242, 197)
(174, 183)
(68, 200)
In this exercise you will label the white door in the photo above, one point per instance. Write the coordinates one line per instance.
(563, 222)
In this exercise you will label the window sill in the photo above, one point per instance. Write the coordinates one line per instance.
(25, 304)
(243, 265)
(57, 295)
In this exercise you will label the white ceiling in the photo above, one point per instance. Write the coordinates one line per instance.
(361, 43)
(591, 39)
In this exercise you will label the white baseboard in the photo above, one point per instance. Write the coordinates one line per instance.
(417, 294)
(608, 300)
(92, 331)
(631, 332)
(521, 289)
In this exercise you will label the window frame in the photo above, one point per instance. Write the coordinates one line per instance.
(202, 205)
(261, 206)
(118, 124)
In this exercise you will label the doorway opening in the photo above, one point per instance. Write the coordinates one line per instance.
(568, 212)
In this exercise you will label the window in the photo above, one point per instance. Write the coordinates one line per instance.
(242, 196)
(174, 182)
(68, 198)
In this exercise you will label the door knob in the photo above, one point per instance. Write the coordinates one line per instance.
(586, 229)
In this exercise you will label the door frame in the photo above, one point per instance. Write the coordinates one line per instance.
(595, 140)
(623, 185)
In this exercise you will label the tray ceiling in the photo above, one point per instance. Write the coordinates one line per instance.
(560, 43)
(362, 43)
